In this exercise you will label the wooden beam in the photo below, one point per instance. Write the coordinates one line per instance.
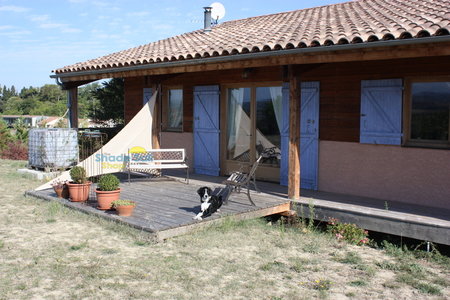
(73, 107)
(289, 213)
(294, 136)
(72, 84)
(366, 54)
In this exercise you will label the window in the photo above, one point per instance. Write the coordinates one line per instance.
(175, 110)
(429, 113)
(254, 122)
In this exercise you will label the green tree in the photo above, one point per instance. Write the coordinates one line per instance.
(52, 93)
(5, 135)
(13, 106)
(21, 130)
(28, 92)
(8, 92)
(109, 102)
(2, 103)
(86, 99)
(18, 106)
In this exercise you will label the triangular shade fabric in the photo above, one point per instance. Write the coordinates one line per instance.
(110, 158)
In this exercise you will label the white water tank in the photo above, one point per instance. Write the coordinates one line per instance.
(52, 148)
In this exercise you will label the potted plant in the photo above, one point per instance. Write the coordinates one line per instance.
(124, 207)
(60, 188)
(107, 191)
(79, 186)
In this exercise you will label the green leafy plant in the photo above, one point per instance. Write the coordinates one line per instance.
(348, 232)
(108, 182)
(78, 174)
(122, 202)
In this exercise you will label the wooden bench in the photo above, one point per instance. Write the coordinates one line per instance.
(157, 159)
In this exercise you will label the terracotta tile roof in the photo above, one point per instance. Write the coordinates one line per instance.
(351, 22)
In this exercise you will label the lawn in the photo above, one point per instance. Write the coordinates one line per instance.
(48, 251)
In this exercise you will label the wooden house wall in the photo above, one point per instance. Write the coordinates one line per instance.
(340, 88)
(376, 171)
(133, 96)
(135, 85)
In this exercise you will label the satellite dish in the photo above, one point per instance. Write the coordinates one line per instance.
(217, 11)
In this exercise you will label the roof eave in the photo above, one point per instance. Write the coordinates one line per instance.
(228, 58)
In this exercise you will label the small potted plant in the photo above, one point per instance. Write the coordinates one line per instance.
(79, 186)
(107, 191)
(60, 188)
(124, 207)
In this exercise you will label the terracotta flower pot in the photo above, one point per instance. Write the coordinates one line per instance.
(104, 198)
(62, 192)
(79, 192)
(125, 210)
(58, 191)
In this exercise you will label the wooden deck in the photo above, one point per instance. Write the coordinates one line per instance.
(166, 206)
(392, 217)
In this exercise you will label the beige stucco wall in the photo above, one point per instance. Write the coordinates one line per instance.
(411, 175)
(179, 140)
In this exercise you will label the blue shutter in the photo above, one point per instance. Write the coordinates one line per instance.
(284, 164)
(309, 135)
(148, 92)
(206, 130)
(381, 111)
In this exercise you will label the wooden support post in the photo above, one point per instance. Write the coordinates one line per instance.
(294, 136)
(72, 95)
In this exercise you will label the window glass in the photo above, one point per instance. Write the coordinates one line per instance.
(175, 109)
(430, 111)
(268, 121)
(239, 124)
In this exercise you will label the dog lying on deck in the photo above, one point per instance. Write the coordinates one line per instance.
(210, 203)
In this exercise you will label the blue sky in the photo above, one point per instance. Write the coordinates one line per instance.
(37, 36)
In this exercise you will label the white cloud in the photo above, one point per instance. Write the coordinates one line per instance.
(70, 30)
(6, 27)
(162, 26)
(15, 33)
(39, 18)
(64, 28)
(101, 3)
(138, 14)
(12, 8)
(52, 25)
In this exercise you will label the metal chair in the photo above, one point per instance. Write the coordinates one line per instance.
(239, 179)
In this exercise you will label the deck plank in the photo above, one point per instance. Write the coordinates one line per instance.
(166, 208)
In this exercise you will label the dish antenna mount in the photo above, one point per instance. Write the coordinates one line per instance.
(217, 12)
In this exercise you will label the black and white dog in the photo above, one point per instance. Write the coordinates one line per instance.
(210, 203)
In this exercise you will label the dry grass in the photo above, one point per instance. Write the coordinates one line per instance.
(50, 252)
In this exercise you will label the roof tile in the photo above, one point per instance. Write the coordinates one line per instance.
(349, 22)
